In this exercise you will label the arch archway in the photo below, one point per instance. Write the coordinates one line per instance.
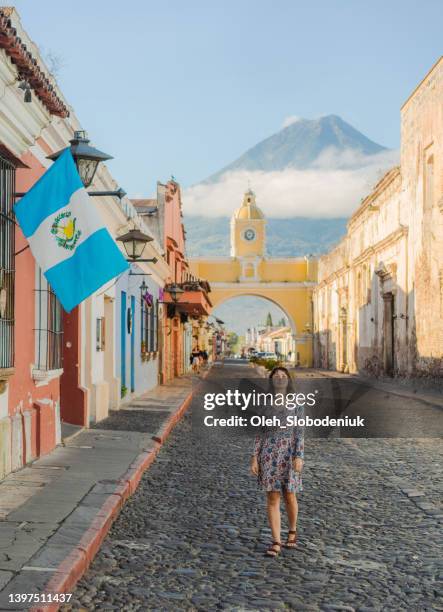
(293, 298)
(224, 300)
(258, 324)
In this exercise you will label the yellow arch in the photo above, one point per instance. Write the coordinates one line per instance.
(288, 282)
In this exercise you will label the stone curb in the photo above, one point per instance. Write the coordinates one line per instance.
(72, 568)
(170, 423)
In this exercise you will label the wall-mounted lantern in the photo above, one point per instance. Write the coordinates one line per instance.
(86, 158)
(134, 243)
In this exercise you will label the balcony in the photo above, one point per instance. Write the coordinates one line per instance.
(194, 300)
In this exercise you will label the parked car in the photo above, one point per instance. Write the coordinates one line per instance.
(267, 355)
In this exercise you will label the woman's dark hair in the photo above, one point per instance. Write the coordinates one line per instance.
(290, 387)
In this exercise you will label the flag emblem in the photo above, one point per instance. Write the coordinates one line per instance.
(82, 255)
(65, 231)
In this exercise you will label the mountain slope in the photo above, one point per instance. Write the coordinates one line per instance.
(311, 165)
(300, 144)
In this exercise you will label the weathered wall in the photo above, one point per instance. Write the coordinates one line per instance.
(379, 303)
(422, 172)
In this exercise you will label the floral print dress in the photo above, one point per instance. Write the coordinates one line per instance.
(275, 450)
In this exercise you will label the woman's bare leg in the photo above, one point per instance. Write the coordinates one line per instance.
(273, 506)
(292, 512)
(291, 509)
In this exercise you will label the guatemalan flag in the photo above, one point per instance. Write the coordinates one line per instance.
(67, 237)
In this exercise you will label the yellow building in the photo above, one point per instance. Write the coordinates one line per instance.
(287, 282)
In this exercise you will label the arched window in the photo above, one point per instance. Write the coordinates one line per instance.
(364, 288)
(368, 285)
(429, 182)
(248, 270)
(358, 289)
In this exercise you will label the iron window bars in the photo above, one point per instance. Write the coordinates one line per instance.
(150, 327)
(7, 263)
(49, 330)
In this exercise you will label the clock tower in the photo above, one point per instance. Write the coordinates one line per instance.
(248, 229)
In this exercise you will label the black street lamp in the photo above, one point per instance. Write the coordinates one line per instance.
(175, 291)
(86, 158)
(134, 243)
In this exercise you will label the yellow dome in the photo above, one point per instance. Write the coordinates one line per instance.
(249, 209)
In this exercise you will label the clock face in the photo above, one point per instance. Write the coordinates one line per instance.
(249, 234)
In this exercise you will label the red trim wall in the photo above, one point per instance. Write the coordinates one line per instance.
(23, 393)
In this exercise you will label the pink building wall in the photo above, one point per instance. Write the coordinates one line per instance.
(33, 409)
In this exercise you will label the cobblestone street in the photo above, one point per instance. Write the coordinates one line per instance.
(193, 535)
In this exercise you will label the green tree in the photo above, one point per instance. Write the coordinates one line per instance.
(269, 320)
(232, 342)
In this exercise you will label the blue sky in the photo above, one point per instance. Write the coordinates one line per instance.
(184, 87)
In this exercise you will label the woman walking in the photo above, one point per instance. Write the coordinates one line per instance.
(277, 461)
(195, 360)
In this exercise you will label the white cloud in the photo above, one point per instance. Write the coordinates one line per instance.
(290, 120)
(333, 187)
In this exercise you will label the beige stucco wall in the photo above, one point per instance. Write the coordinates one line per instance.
(392, 254)
(422, 140)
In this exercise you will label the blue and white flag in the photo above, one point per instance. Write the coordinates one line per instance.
(66, 234)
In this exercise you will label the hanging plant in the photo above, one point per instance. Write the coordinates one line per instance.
(148, 299)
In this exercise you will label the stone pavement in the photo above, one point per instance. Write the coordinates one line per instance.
(193, 535)
(60, 507)
(409, 388)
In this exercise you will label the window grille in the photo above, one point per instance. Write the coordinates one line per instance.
(49, 330)
(150, 327)
(100, 334)
(7, 264)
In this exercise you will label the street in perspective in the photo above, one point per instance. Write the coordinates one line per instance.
(194, 533)
(221, 306)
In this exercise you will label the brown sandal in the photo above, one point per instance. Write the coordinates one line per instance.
(291, 543)
(271, 552)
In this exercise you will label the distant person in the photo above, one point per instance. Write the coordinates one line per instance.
(195, 360)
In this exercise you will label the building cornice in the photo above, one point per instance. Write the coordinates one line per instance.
(212, 259)
(424, 79)
(265, 259)
(280, 260)
(388, 178)
(382, 244)
(372, 250)
(263, 285)
(28, 65)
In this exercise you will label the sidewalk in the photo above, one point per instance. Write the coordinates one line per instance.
(55, 514)
(411, 388)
